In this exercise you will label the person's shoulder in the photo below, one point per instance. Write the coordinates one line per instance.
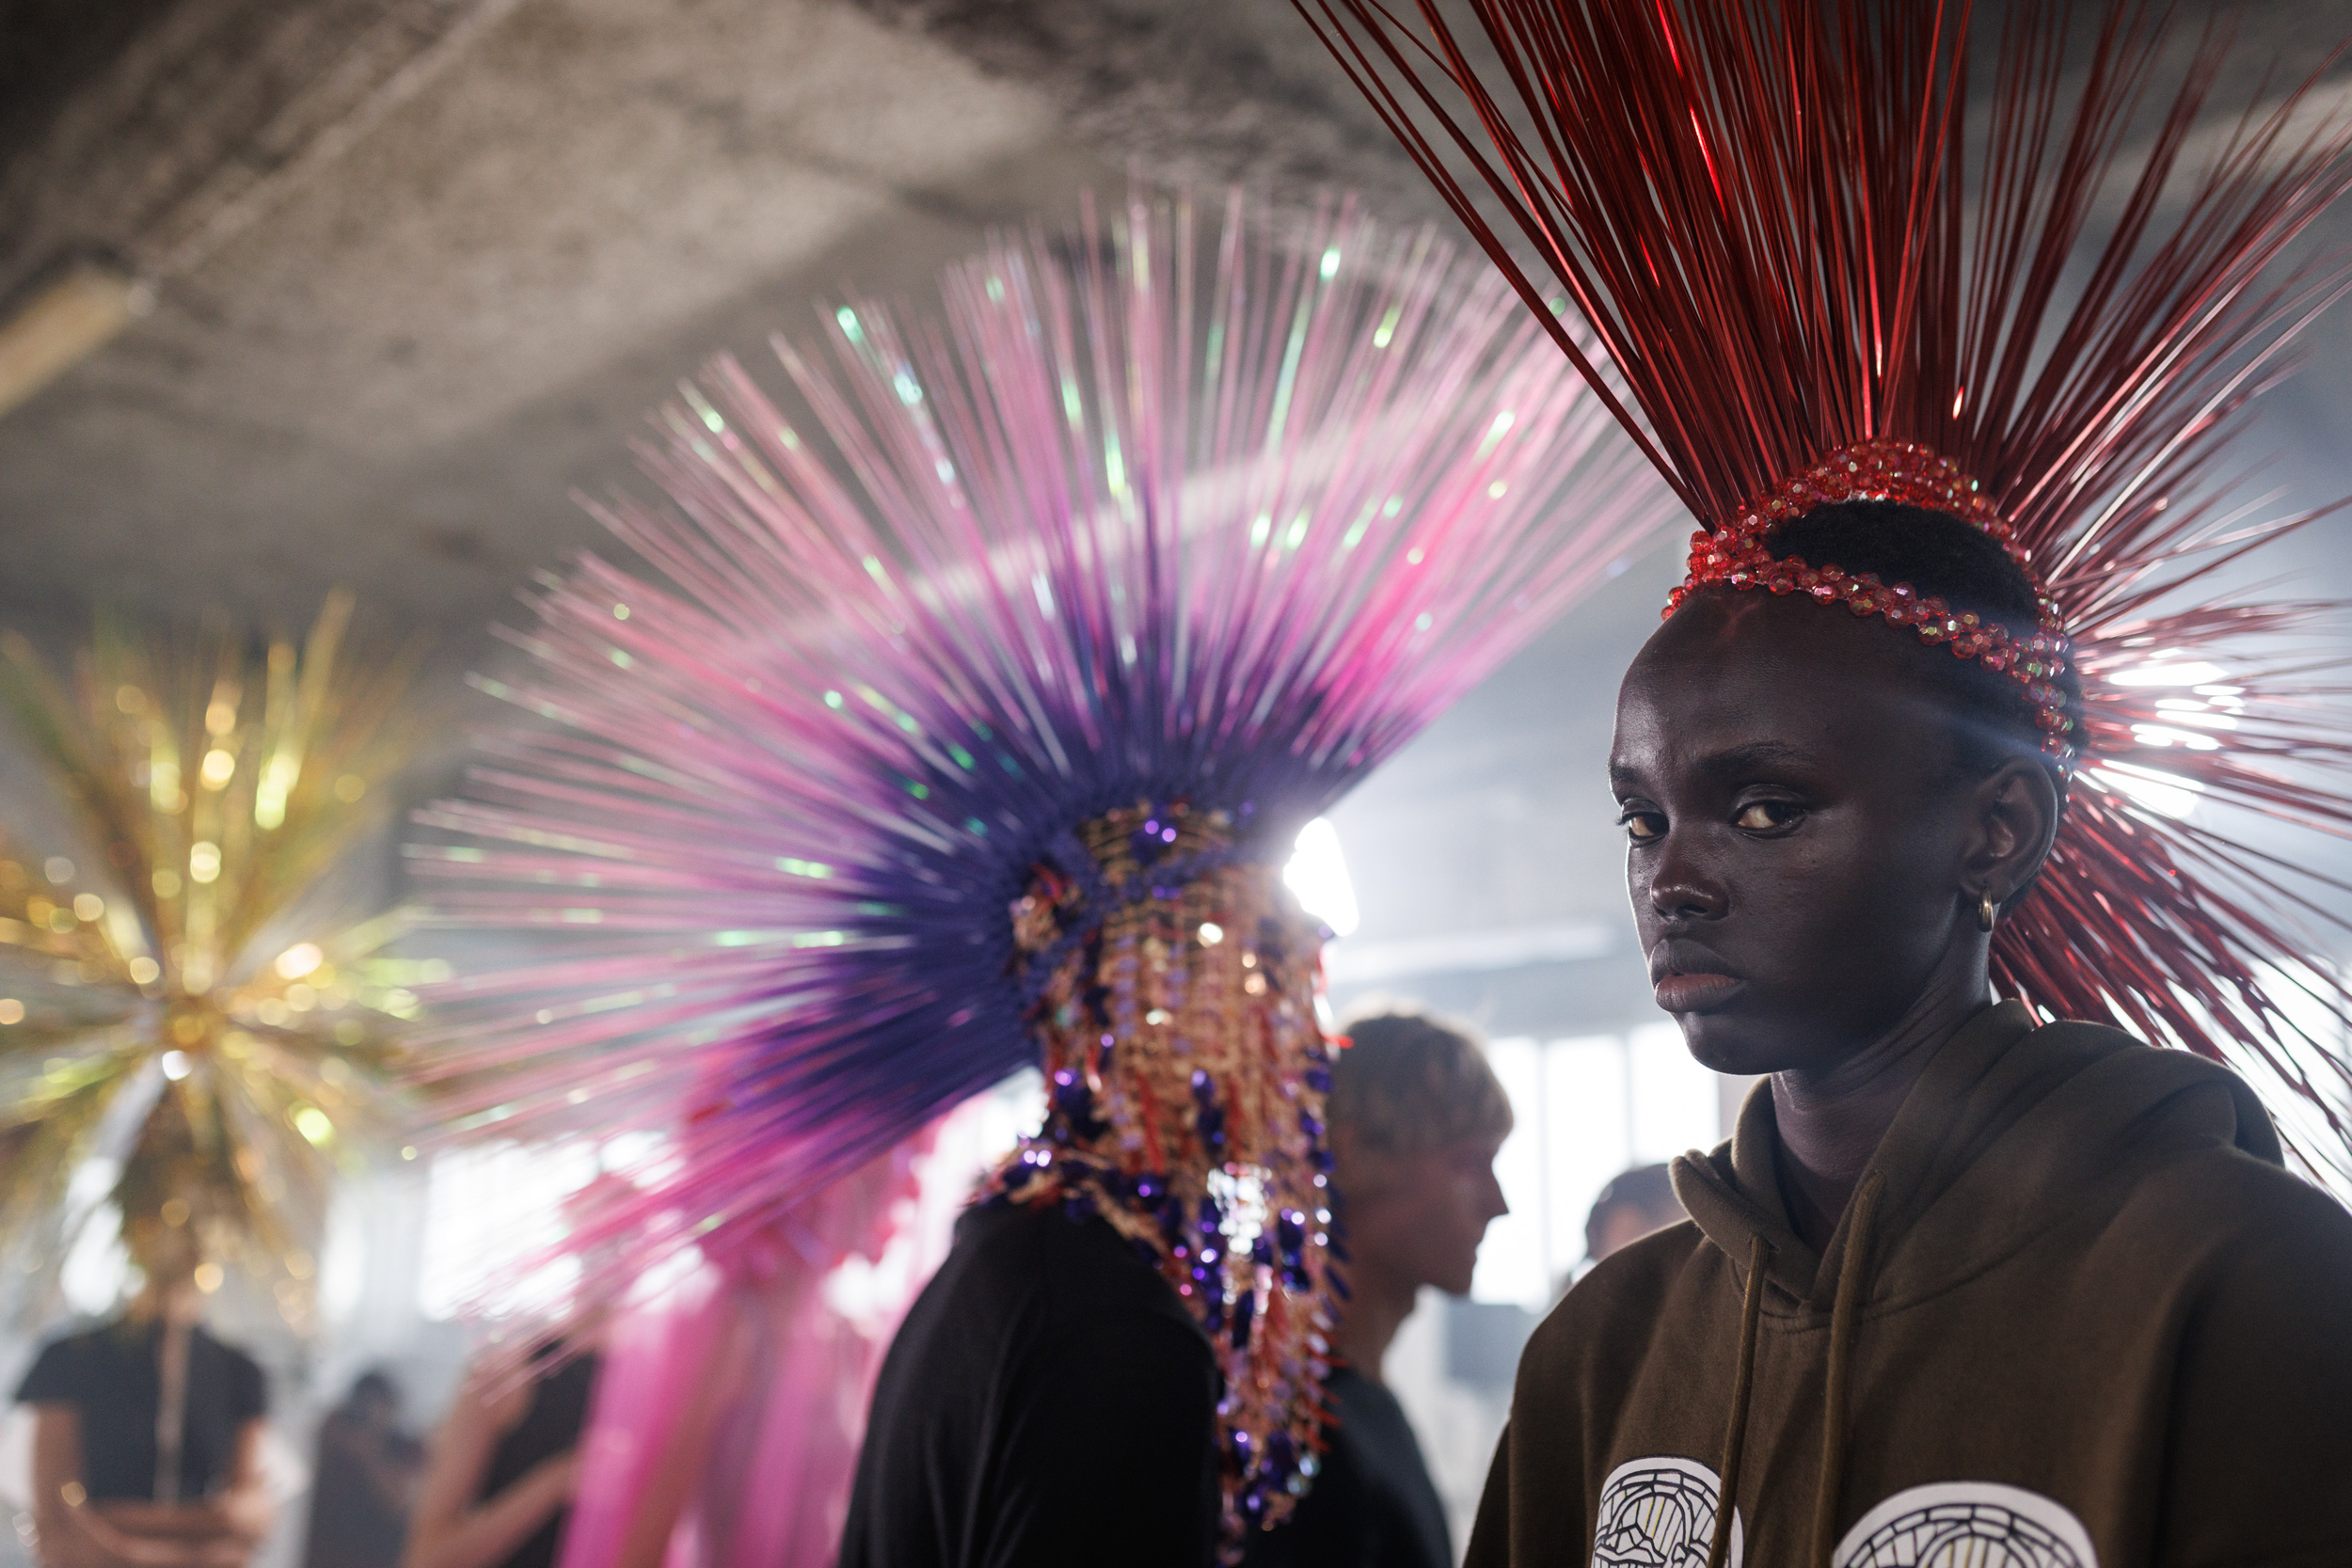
(1074, 1268)
(2160, 1093)
(1637, 1273)
(1025, 1277)
(1620, 1295)
(247, 1384)
(84, 1341)
(66, 1366)
(2203, 1176)
(2223, 1199)
(1362, 1406)
(228, 1354)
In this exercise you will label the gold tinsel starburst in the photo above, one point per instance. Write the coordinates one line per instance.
(175, 1012)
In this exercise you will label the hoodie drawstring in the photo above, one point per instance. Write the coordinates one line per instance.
(1735, 1439)
(1844, 1323)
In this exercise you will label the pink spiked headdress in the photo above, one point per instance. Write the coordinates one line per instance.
(1766, 213)
(966, 723)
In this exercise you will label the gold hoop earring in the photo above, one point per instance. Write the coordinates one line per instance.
(1987, 912)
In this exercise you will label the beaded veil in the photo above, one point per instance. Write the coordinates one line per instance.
(966, 723)
(1811, 285)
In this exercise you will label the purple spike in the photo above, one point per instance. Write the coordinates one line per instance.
(1179, 516)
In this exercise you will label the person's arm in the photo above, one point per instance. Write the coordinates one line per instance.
(667, 1484)
(228, 1526)
(56, 1477)
(71, 1533)
(1111, 1452)
(446, 1529)
(2258, 1472)
(390, 1468)
(245, 1511)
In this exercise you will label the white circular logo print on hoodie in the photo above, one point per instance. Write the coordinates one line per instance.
(1659, 1512)
(1967, 1524)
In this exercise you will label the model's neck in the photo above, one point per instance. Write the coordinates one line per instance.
(1377, 1306)
(1832, 1119)
(181, 1306)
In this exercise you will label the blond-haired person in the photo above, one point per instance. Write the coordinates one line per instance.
(1417, 1118)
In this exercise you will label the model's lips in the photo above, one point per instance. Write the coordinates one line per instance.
(1687, 978)
(1695, 993)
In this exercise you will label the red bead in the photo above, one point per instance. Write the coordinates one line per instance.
(1902, 471)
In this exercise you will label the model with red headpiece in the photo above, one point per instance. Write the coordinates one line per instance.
(1975, 1279)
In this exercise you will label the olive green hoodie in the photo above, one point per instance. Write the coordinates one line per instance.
(2077, 1316)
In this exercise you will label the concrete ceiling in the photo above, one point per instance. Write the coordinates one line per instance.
(422, 263)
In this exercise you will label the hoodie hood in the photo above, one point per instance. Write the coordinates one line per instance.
(2076, 1315)
(1972, 1166)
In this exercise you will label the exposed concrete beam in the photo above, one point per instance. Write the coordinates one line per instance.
(208, 115)
(1205, 91)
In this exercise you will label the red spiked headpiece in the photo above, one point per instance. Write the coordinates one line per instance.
(1796, 274)
(1737, 556)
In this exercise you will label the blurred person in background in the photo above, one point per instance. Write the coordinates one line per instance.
(1417, 1118)
(502, 1469)
(1635, 1203)
(147, 1431)
(499, 1477)
(366, 1479)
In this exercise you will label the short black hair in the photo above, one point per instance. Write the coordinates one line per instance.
(375, 1383)
(1948, 558)
(1645, 1190)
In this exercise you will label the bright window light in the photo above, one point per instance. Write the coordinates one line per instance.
(491, 1208)
(2166, 794)
(344, 1260)
(97, 1273)
(2164, 734)
(1317, 873)
(1584, 1110)
(2158, 673)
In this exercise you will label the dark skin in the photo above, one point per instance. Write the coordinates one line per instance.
(1808, 843)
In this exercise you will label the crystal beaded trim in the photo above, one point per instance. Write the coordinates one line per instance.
(1736, 554)
(1172, 983)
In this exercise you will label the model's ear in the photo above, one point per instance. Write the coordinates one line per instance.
(2016, 819)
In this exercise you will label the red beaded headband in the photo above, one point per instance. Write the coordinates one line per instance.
(1911, 474)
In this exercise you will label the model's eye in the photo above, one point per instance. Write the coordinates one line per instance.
(1643, 827)
(1764, 816)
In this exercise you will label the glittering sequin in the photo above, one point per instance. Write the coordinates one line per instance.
(1174, 996)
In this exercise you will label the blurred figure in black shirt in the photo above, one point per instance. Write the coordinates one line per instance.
(1049, 1403)
(1417, 1118)
(499, 1480)
(365, 1481)
(147, 1431)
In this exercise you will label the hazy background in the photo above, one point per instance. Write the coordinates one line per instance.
(420, 265)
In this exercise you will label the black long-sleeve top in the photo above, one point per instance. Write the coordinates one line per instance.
(1048, 1402)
